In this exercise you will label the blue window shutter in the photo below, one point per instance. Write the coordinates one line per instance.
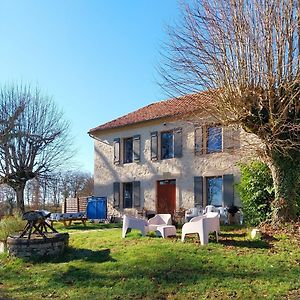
(198, 191)
(154, 145)
(136, 193)
(178, 142)
(116, 187)
(117, 151)
(136, 148)
(228, 190)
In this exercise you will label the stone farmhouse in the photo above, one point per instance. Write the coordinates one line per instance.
(167, 156)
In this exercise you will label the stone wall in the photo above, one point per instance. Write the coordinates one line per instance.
(54, 245)
(149, 172)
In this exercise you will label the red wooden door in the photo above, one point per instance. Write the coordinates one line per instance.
(166, 197)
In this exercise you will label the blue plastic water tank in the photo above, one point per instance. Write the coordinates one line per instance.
(96, 208)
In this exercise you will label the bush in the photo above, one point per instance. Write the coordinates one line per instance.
(10, 225)
(256, 192)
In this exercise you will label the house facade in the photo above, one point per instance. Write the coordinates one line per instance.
(165, 157)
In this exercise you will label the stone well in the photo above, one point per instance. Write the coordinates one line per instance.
(37, 246)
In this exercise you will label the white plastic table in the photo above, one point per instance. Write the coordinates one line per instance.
(165, 230)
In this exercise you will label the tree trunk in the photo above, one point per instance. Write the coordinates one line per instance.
(286, 178)
(19, 189)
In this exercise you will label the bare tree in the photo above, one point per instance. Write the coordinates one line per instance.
(38, 141)
(77, 184)
(8, 119)
(7, 200)
(54, 187)
(246, 53)
(88, 186)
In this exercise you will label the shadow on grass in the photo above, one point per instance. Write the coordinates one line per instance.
(73, 254)
(228, 240)
(227, 228)
(257, 244)
(74, 275)
(183, 273)
(149, 276)
(3, 296)
(225, 234)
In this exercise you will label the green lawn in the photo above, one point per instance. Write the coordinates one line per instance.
(101, 265)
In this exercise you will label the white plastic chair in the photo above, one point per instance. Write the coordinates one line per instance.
(134, 223)
(210, 208)
(158, 220)
(223, 215)
(202, 225)
(193, 212)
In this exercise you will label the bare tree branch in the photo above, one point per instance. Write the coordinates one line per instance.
(246, 54)
(37, 143)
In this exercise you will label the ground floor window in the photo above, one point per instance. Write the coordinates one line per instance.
(215, 191)
(132, 194)
(127, 194)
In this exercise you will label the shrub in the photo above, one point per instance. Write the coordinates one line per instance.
(256, 192)
(10, 225)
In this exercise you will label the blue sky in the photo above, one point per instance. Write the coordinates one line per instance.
(97, 58)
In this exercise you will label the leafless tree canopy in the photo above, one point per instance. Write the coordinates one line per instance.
(38, 141)
(246, 53)
(53, 188)
(7, 200)
(77, 184)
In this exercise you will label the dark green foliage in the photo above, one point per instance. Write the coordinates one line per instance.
(256, 192)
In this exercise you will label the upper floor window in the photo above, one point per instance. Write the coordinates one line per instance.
(171, 143)
(167, 145)
(128, 150)
(214, 139)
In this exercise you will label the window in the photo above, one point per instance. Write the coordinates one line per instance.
(214, 139)
(127, 194)
(131, 194)
(215, 191)
(167, 145)
(131, 149)
(128, 150)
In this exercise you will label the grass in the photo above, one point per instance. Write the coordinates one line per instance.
(101, 265)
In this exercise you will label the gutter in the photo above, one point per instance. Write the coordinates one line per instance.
(98, 139)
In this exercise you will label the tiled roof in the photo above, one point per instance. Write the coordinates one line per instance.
(168, 108)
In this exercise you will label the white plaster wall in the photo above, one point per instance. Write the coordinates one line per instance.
(149, 172)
